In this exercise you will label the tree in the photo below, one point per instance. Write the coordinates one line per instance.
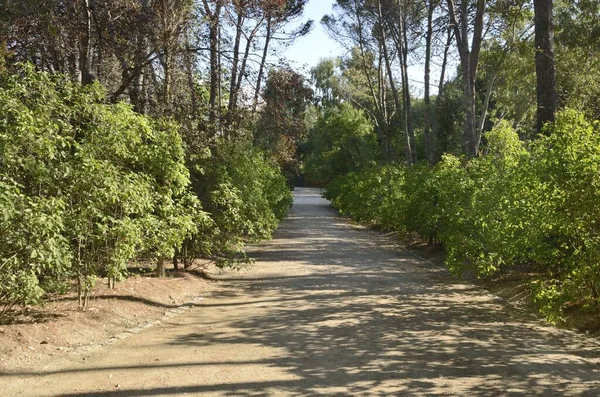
(469, 60)
(428, 130)
(544, 63)
(364, 70)
(278, 15)
(281, 125)
(327, 80)
(342, 141)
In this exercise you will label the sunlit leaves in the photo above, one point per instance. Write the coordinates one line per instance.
(537, 206)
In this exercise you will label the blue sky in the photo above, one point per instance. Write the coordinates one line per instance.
(308, 50)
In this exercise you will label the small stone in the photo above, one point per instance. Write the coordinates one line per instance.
(44, 342)
(117, 386)
(30, 348)
(110, 376)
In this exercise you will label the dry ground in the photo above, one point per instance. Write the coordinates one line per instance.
(37, 335)
(330, 309)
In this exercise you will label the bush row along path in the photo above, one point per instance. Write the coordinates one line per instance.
(331, 309)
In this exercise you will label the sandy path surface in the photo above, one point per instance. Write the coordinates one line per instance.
(331, 309)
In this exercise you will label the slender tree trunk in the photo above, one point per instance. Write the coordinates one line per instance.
(136, 94)
(428, 116)
(382, 90)
(219, 82)
(160, 267)
(231, 108)
(390, 156)
(434, 121)
(176, 260)
(445, 62)
(167, 54)
(469, 59)
(191, 83)
(187, 262)
(263, 61)
(80, 276)
(215, 72)
(80, 292)
(85, 62)
(167, 83)
(486, 105)
(408, 121)
(470, 119)
(544, 63)
(244, 64)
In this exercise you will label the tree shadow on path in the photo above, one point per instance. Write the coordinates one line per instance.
(350, 314)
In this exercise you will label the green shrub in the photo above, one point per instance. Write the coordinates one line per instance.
(512, 206)
(246, 196)
(372, 195)
(32, 245)
(116, 179)
(565, 211)
(342, 141)
(484, 229)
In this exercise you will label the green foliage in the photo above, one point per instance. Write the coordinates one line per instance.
(341, 141)
(567, 196)
(577, 51)
(327, 81)
(32, 245)
(246, 196)
(536, 205)
(281, 126)
(371, 195)
(95, 185)
(483, 232)
(450, 114)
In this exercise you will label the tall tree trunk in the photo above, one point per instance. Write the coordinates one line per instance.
(385, 116)
(167, 82)
(263, 61)
(167, 55)
(428, 116)
(434, 121)
(470, 95)
(215, 71)
(390, 156)
(445, 61)
(486, 104)
(85, 63)
(469, 59)
(544, 63)
(136, 91)
(408, 120)
(242, 72)
(189, 66)
(231, 108)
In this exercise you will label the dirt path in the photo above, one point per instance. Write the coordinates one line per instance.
(331, 309)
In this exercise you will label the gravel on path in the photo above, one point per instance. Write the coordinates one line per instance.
(330, 308)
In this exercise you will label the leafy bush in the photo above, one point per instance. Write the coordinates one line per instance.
(246, 196)
(342, 141)
(32, 245)
(372, 195)
(565, 211)
(483, 231)
(515, 205)
(110, 183)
